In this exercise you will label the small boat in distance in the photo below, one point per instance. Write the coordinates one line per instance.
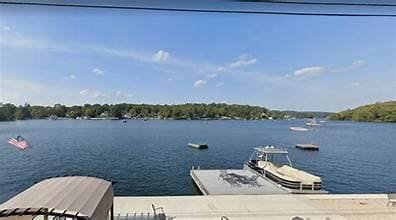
(19, 142)
(124, 121)
(313, 122)
(262, 161)
(298, 129)
(198, 146)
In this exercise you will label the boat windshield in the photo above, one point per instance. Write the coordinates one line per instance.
(277, 156)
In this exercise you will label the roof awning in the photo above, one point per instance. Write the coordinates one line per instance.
(75, 196)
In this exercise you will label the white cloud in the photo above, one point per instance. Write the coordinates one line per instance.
(212, 75)
(23, 86)
(355, 84)
(219, 84)
(93, 94)
(220, 69)
(84, 92)
(309, 71)
(161, 56)
(13, 39)
(243, 60)
(123, 94)
(97, 94)
(71, 76)
(353, 66)
(199, 83)
(98, 71)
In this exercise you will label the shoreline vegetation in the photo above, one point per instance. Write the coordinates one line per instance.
(188, 111)
(378, 112)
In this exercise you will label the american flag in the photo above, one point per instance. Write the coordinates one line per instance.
(19, 144)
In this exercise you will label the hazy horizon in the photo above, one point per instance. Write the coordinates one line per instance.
(73, 56)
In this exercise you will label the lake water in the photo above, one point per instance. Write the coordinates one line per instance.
(152, 157)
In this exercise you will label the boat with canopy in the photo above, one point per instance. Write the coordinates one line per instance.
(263, 162)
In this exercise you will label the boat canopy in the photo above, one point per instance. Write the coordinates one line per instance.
(77, 197)
(270, 150)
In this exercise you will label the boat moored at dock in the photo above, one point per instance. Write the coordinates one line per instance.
(262, 162)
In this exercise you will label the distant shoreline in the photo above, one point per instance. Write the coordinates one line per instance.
(189, 111)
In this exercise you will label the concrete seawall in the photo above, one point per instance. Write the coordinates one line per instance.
(324, 207)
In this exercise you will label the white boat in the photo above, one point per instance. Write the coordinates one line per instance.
(313, 122)
(198, 145)
(298, 129)
(262, 161)
(19, 142)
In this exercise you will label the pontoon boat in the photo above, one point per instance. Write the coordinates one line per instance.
(262, 161)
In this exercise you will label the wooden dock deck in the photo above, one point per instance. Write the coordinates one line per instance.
(233, 182)
(258, 207)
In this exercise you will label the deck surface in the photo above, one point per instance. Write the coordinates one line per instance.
(211, 183)
(261, 207)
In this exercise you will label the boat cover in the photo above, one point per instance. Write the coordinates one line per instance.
(75, 196)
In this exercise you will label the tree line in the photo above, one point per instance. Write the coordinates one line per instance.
(381, 112)
(193, 111)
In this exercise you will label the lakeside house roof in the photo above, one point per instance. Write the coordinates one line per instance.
(74, 196)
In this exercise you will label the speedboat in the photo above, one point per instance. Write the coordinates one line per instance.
(262, 161)
(298, 129)
(19, 142)
(313, 122)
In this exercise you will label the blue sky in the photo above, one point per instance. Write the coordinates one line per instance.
(75, 56)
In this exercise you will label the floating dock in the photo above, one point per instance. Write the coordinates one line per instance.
(233, 182)
(307, 146)
(198, 146)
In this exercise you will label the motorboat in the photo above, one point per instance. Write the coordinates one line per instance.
(298, 129)
(313, 122)
(198, 145)
(19, 142)
(263, 162)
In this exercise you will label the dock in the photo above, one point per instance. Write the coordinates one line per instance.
(233, 182)
(252, 207)
(198, 146)
(307, 146)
